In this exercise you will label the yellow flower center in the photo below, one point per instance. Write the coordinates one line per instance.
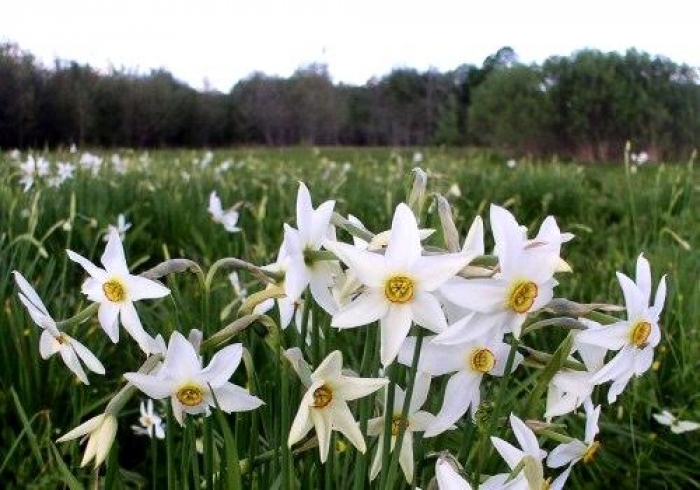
(640, 334)
(482, 360)
(61, 339)
(522, 296)
(546, 484)
(589, 455)
(397, 424)
(322, 397)
(399, 289)
(190, 395)
(114, 290)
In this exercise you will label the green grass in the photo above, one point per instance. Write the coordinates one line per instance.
(614, 217)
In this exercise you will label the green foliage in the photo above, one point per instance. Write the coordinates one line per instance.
(39, 400)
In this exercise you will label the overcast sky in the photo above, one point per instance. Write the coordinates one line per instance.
(224, 41)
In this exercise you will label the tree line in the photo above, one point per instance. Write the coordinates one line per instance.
(586, 105)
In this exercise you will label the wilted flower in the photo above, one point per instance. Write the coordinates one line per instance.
(115, 289)
(193, 389)
(324, 405)
(52, 340)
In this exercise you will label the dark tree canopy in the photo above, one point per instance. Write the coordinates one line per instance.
(585, 105)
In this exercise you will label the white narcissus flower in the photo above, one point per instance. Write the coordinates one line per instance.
(193, 389)
(286, 304)
(115, 289)
(52, 340)
(380, 240)
(530, 455)
(314, 227)
(399, 285)
(570, 388)
(151, 422)
(325, 408)
(677, 426)
(469, 362)
(524, 281)
(101, 431)
(229, 218)
(572, 452)
(634, 338)
(416, 420)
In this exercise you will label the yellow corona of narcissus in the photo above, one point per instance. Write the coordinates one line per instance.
(399, 285)
(116, 289)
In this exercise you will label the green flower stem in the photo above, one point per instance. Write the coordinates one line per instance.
(602, 318)
(496, 414)
(388, 408)
(406, 405)
(263, 275)
(360, 470)
(555, 436)
(79, 317)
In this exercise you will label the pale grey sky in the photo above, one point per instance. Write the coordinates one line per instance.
(225, 41)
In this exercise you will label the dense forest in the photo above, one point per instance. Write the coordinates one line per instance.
(585, 105)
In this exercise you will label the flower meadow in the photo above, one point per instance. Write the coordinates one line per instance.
(337, 318)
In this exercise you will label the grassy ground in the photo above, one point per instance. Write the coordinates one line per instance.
(615, 214)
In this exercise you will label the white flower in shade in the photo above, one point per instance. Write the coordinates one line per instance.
(572, 452)
(314, 227)
(193, 389)
(325, 408)
(115, 289)
(229, 218)
(469, 362)
(238, 287)
(524, 281)
(634, 338)
(570, 388)
(151, 422)
(530, 455)
(677, 426)
(416, 420)
(399, 285)
(100, 431)
(52, 340)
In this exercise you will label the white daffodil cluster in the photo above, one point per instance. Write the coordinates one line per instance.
(478, 310)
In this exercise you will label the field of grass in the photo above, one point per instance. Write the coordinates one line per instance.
(615, 213)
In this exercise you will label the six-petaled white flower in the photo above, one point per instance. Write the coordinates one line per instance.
(399, 286)
(116, 289)
(151, 422)
(634, 338)
(193, 389)
(325, 405)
